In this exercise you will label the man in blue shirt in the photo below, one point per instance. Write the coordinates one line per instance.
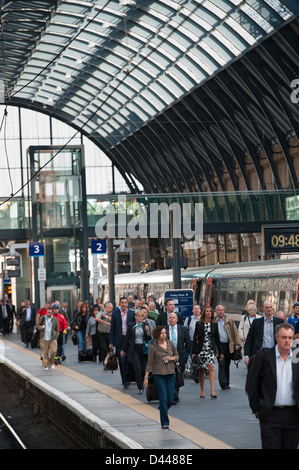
(293, 319)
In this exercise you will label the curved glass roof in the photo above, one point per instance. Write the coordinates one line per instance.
(109, 67)
(173, 91)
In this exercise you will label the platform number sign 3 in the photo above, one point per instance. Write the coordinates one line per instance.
(36, 249)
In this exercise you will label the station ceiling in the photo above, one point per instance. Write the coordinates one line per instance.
(171, 90)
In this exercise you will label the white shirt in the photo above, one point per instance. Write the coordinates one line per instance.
(4, 311)
(222, 331)
(192, 325)
(48, 328)
(284, 375)
(28, 313)
(123, 314)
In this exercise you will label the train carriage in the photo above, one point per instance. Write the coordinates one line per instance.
(231, 285)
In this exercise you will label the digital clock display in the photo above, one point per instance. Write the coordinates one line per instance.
(281, 240)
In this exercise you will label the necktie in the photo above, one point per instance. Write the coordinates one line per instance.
(173, 336)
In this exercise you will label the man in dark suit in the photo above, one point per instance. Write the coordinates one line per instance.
(6, 317)
(179, 335)
(169, 308)
(119, 323)
(262, 332)
(28, 319)
(273, 391)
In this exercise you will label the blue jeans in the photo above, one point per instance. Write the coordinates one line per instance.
(165, 385)
(81, 340)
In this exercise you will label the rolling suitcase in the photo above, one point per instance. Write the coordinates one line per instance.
(85, 355)
(151, 391)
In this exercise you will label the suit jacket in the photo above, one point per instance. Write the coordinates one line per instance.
(261, 383)
(199, 335)
(8, 309)
(162, 319)
(254, 340)
(183, 343)
(115, 336)
(24, 313)
(129, 340)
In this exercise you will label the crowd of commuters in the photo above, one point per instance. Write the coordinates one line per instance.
(154, 343)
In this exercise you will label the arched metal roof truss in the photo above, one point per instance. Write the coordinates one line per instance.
(171, 90)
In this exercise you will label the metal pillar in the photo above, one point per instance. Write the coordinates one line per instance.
(176, 256)
(111, 270)
(34, 233)
(84, 259)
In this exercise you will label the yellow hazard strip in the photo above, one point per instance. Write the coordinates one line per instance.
(185, 430)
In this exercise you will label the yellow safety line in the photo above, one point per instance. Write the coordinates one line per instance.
(188, 431)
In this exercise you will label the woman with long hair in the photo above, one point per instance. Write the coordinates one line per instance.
(79, 325)
(162, 358)
(206, 341)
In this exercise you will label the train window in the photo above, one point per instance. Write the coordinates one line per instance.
(223, 296)
(282, 300)
(261, 297)
(241, 300)
(251, 295)
(230, 300)
(215, 298)
(294, 297)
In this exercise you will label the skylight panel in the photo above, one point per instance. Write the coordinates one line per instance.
(282, 11)
(240, 30)
(257, 18)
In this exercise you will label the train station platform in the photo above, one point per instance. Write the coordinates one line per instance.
(124, 420)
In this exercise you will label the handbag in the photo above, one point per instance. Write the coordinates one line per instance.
(74, 339)
(179, 377)
(110, 361)
(237, 356)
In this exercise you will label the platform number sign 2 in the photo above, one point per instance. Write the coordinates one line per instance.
(36, 249)
(98, 247)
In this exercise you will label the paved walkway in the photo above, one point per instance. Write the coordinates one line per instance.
(133, 423)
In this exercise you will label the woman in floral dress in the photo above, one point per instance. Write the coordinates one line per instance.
(206, 342)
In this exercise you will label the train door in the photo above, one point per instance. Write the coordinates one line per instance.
(209, 291)
(196, 286)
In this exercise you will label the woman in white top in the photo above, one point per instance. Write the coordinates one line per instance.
(246, 321)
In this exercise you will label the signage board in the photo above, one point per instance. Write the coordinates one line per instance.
(99, 247)
(36, 249)
(183, 300)
(13, 273)
(42, 276)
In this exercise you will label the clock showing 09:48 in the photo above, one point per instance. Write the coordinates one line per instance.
(287, 241)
